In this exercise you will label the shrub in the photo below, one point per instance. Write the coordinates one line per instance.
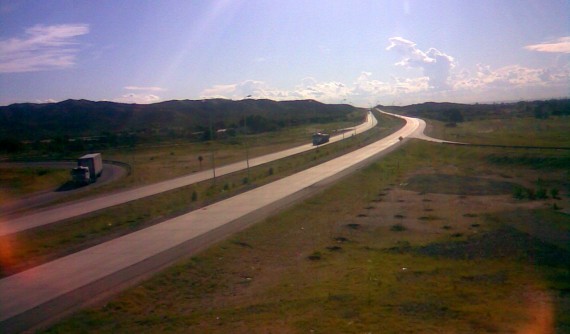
(315, 256)
(194, 196)
(518, 193)
(541, 193)
(398, 228)
(554, 192)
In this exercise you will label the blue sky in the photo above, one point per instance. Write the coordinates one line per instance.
(359, 52)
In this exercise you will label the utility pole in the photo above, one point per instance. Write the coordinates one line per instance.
(212, 149)
(245, 141)
(246, 147)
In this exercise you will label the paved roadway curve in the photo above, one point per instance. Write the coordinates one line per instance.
(10, 225)
(53, 289)
(112, 173)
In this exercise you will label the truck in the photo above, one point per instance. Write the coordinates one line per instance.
(320, 138)
(89, 168)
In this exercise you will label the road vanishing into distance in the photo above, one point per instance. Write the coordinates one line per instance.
(54, 289)
(10, 225)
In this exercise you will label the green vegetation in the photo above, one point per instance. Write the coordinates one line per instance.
(429, 239)
(18, 182)
(81, 125)
(459, 185)
(452, 113)
(532, 123)
(36, 246)
(498, 265)
(153, 163)
(526, 131)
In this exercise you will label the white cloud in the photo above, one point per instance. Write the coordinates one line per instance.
(145, 88)
(512, 76)
(42, 48)
(435, 64)
(483, 84)
(441, 81)
(561, 45)
(363, 91)
(138, 98)
(308, 89)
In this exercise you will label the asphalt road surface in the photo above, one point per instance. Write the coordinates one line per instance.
(10, 225)
(51, 290)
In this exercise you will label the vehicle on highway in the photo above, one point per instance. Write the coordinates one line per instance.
(89, 168)
(320, 138)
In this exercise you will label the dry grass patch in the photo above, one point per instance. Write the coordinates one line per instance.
(19, 182)
(417, 280)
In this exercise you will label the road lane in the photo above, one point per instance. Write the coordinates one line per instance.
(48, 290)
(9, 225)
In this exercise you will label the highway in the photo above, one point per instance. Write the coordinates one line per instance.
(53, 289)
(10, 225)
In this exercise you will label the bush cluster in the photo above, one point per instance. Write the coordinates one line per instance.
(535, 194)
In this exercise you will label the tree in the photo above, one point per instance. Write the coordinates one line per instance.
(10, 145)
(453, 115)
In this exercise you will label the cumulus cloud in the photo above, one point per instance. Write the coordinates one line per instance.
(307, 89)
(561, 45)
(508, 82)
(435, 64)
(441, 80)
(512, 76)
(364, 90)
(42, 48)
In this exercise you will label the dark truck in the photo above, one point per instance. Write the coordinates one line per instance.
(320, 138)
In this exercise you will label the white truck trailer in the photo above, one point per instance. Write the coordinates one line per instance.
(89, 168)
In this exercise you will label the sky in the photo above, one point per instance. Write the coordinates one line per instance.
(359, 52)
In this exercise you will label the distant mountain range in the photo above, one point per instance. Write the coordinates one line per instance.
(80, 118)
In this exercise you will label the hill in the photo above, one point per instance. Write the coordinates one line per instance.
(82, 118)
(456, 112)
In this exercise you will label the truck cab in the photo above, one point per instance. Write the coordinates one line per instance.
(80, 175)
(320, 138)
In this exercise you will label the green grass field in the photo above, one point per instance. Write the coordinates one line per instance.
(378, 252)
(19, 182)
(527, 131)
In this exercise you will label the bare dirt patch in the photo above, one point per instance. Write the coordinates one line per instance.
(422, 204)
